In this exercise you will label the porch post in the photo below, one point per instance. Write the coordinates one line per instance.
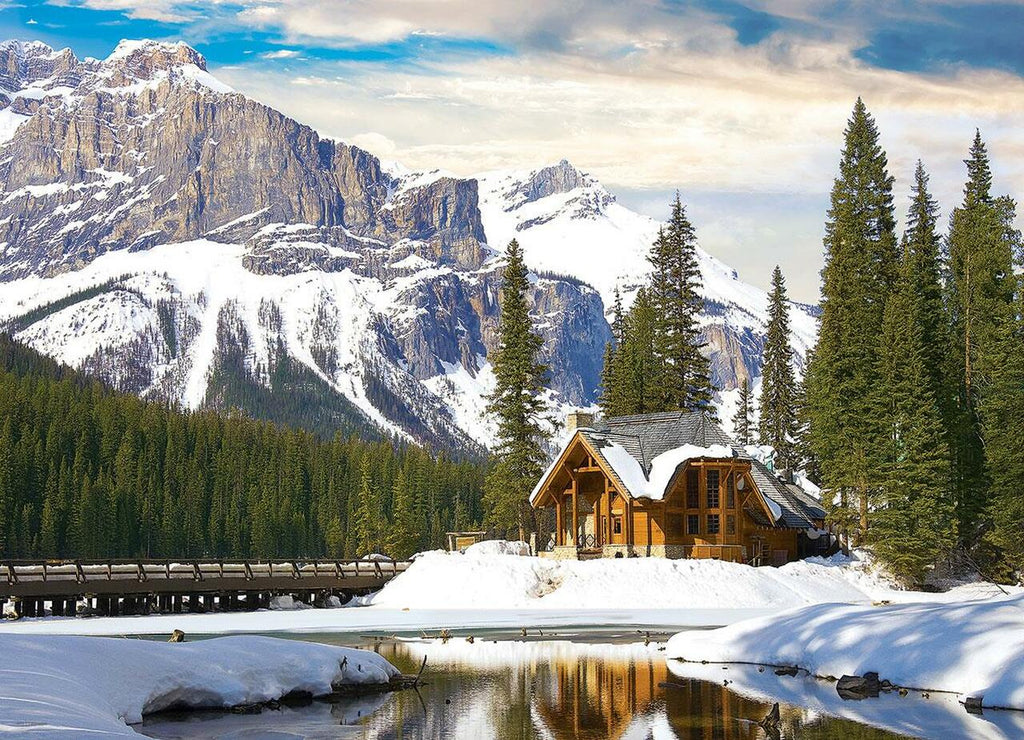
(628, 510)
(559, 534)
(575, 513)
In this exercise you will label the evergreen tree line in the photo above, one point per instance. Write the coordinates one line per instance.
(88, 472)
(655, 362)
(911, 414)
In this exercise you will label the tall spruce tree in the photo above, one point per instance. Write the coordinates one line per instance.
(518, 458)
(613, 402)
(778, 382)
(404, 534)
(922, 253)
(860, 269)
(743, 419)
(682, 371)
(636, 359)
(1003, 431)
(980, 295)
(912, 525)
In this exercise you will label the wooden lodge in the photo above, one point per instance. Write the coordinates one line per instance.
(673, 485)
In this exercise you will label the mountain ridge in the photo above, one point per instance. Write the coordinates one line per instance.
(245, 237)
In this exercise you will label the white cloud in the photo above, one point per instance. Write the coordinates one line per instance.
(642, 96)
(281, 54)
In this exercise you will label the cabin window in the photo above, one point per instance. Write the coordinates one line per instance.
(730, 491)
(616, 525)
(675, 524)
(693, 524)
(692, 489)
(730, 524)
(712, 523)
(713, 476)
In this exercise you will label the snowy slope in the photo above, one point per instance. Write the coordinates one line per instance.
(973, 648)
(377, 282)
(568, 223)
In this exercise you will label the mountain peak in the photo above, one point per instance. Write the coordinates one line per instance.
(557, 178)
(154, 55)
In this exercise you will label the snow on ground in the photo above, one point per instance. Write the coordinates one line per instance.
(973, 648)
(386, 621)
(70, 687)
(442, 580)
(483, 589)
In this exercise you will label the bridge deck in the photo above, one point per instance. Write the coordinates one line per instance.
(43, 579)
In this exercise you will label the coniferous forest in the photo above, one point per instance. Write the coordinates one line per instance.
(88, 472)
(909, 414)
(913, 395)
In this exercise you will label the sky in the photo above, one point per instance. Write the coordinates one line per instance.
(739, 105)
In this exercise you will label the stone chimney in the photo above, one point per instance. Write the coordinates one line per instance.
(578, 419)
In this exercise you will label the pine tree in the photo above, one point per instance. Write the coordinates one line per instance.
(922, 253)
(743, 421)
(913, 523)
(860, 270)
(404, 536)
(7, 485)
(980, 294)
(682, 372)
(636, 374)
(613, 401)
(778, 383)
(516, 404)
(1003, 431)
(806, 460)
(369, 523)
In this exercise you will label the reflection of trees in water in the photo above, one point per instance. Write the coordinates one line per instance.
(562, 690)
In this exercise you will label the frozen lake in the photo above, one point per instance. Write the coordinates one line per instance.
(582, 684)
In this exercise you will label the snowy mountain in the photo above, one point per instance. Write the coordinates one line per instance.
(187, 243)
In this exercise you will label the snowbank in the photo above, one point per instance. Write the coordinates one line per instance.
(441, 580)
(498, 547)
(74, 686)
(972, 648)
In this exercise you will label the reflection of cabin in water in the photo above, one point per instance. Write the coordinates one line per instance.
(673, 485)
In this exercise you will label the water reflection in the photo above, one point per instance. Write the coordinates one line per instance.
(513, 690)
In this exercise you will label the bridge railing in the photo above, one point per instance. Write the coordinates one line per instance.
(15, 572)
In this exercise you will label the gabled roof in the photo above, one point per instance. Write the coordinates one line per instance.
(650, 435)
(629, 447)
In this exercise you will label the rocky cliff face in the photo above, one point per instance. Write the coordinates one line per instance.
(185, 242)
(191, 240)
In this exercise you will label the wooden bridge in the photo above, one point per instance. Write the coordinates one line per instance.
(116, 587)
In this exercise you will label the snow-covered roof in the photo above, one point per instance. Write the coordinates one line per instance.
(654, 483)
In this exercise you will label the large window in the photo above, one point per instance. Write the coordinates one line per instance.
(712, 523)
(616, 525)
(730, 491)
(675, 524)
(730, 524)
(713, 477)
(693, 524)
(692, 489)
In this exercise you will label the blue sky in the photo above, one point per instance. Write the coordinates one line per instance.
(738, 103)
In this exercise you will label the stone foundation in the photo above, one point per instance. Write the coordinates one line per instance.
(564, 552)
(618, 551)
